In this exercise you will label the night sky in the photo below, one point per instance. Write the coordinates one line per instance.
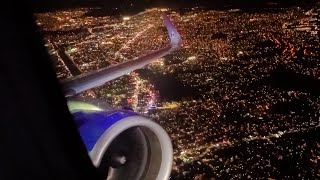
(128, 6)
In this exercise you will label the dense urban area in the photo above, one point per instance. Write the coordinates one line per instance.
(240, 99)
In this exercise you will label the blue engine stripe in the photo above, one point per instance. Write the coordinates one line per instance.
(92, 124)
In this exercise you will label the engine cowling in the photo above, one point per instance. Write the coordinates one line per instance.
(123, 144)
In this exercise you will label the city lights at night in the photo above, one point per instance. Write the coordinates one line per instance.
(239, 100)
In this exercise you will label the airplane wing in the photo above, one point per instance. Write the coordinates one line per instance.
(86, 81)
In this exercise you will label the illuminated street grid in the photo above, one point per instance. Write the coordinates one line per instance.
(245, 116)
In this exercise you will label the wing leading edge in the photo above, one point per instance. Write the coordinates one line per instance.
(86, 81)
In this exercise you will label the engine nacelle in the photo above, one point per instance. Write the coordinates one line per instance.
(122, 144)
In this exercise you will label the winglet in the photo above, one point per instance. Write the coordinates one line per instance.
(175, 39)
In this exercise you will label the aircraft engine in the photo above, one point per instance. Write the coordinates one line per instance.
(123, 144)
